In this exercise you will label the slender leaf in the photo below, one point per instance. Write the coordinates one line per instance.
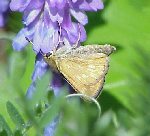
(41, 90)
(3, 133)
(17, 133)
(52, 111)
(4, 126)
(15, 115)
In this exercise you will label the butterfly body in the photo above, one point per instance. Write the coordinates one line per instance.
(84, 67)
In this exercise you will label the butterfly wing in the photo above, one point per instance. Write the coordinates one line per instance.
(85, 73)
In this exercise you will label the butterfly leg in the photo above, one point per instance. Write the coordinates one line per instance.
(60, 33)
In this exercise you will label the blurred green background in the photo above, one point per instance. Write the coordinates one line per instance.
(125, 100)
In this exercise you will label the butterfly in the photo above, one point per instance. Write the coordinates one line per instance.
(84, 67)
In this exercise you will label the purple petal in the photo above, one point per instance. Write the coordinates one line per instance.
(92, 5)
(75, 32)
(67, 23)
(74, 1)
(61, 4)
(83, 33)
(35, 4)
(45, 38)
(31, 16)
(4, 4)
(80, 16)
(1, 20)
(52, 3)
(38, 36)
(40, 68)
(47, 19)
(19, 5)
(55, 16)
(85, 6)
(48, 41)
(96, 4)
(20, 41)
(57, 3)
(57, 83)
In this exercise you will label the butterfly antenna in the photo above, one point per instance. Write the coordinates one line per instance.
(29, 41)
(79, 36)
(88, 98)
(33, 45)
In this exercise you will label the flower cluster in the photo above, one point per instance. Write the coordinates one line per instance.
(4, 6)
(46, 20)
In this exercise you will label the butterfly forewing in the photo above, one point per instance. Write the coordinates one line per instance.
(83, 67)
(85, 73)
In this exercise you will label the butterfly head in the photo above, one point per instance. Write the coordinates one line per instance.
(51, 60)
(47, 55)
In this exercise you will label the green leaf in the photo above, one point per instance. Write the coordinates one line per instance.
(3, 133)
(104, 123)
(4, 126)
(17, 133)
(14, 22)
(15, 115)
(6, 35)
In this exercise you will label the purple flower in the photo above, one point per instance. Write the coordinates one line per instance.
(47, 20)
(4, 6)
